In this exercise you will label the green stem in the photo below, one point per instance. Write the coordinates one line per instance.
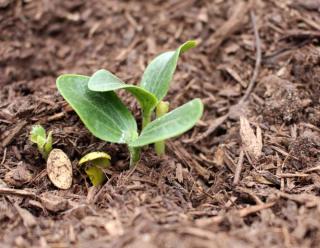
(134, 155)
(146, 118)
(162, 109)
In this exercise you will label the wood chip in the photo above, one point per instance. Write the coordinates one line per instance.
(16, 130)
(59, 169)
(252, 143)
(54, 203)
(28, 219)
(179, 174)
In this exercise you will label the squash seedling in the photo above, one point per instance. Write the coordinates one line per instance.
(153, 86)
(103, 113)
(95, 163)
(38, 136)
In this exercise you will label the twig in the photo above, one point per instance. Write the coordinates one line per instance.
(241, 212)
(286, 175)
(18, 192)
(251, 194)
(4, 156)
(238, 169)
(246, 95)
(258, 59)
(253, 209)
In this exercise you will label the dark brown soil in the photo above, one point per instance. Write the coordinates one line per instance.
(194, 196)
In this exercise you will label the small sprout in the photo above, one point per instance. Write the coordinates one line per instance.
(105, 115)
(97, 161)
(59, 169)
(44, 142)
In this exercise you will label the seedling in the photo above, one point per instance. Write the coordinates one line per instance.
(38, 136)
(103, 113)
(95, 163)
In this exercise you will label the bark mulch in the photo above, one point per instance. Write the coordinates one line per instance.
(247, 175)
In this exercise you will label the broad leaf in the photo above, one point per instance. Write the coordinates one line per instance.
(103, 113)
(158, 74)
(171, 124)
(103, 80)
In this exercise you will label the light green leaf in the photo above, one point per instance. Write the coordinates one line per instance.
(103, 113)
(38, 134)
(103, 80)
(171, 124)
(158, 74)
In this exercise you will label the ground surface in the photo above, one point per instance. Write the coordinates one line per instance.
(195, 196)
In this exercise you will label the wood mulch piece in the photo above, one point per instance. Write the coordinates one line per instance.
(256, 60)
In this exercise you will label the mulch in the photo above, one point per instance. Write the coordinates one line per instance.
(257, 61)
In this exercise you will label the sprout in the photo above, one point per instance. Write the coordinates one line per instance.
(95, 163)
(44, 142)
(104, 114)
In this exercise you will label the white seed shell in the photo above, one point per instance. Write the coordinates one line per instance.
(59, 169)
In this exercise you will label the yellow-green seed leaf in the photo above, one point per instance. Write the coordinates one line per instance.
(96, 175)
(97, 161)
(94, 156)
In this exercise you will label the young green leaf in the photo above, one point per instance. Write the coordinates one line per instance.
(171, 124)
(38, 135)
(103, 113)
(158, 74)
(103, 80)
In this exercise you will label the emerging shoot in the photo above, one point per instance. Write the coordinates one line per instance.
(95, 163)
(38, 136)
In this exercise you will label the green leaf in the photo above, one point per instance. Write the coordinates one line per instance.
(171, 124)
(103, 80)
(38, 134)
(158, 74)
(103, 113)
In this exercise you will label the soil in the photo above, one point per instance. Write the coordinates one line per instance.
(213, 188)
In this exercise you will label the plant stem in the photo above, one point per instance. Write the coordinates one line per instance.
(162, 109)
(134, 155)
(146, 118)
